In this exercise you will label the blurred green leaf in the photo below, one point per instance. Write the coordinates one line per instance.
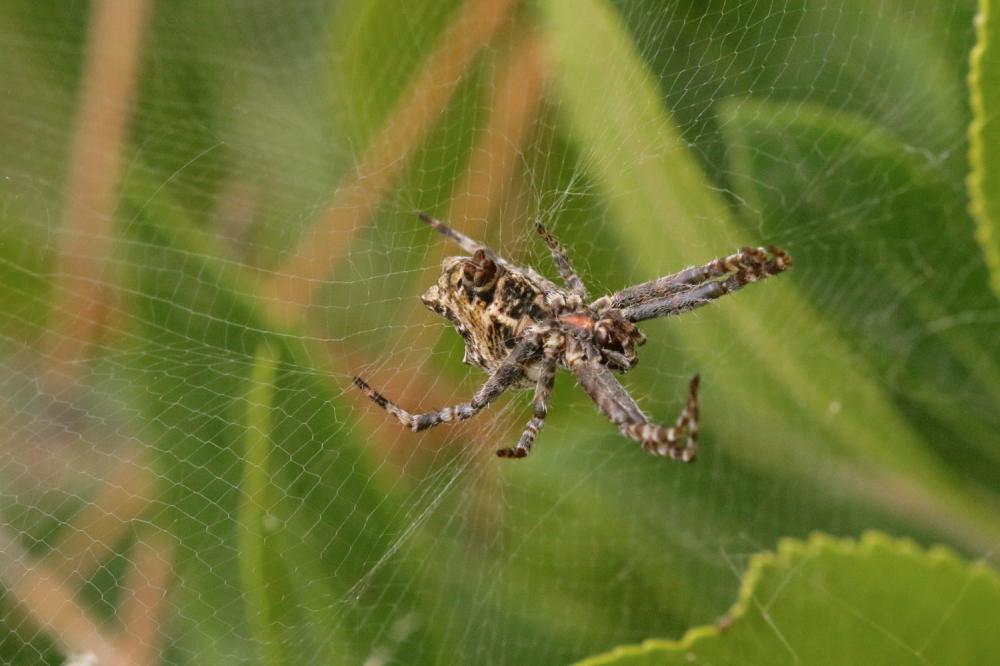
(897, 63)
(906, 225)
(23, 263)
(289, 603)
(665, 211)
(366, 36)
(984, 182)
(261, 585)
(20, 640)
(826, 601)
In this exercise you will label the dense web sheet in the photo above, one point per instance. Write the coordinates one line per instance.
(207, 227)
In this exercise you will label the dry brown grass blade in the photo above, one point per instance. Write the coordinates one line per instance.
(361, 192)
(519, 86)
(104, 523)
(143, 602)
(44, 595)
(113, 54)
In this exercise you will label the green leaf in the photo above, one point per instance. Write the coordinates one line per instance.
(906, 225)
(668, 214)
(255, 503)
(828, 601)
(367, 35)
(288, 601)
(984, 181)
(717, 50)
(23, 263)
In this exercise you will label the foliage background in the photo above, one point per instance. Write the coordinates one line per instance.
(197, 255)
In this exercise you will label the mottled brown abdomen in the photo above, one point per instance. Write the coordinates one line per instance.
(490, 318)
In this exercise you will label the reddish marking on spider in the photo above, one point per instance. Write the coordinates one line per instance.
(578, 320)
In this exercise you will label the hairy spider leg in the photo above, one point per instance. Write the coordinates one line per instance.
(543, 389)
(679, 442)
(688, 418)
(561, 258)
(469, 245)
(746, 259)
(706, 292)
(508, 373)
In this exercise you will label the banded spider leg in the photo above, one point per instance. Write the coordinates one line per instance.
(479, 251)
(697, 286)
(679, 442)
(561, 258)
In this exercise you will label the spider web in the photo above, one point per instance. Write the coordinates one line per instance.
(208, 226)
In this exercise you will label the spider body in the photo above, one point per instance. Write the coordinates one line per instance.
(492, 308)
(520, 327)
(489, 309)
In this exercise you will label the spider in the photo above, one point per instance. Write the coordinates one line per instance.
(521, 327)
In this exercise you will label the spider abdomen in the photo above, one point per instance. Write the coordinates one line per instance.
(490, 307)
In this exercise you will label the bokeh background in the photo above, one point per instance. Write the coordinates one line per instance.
(207, 225)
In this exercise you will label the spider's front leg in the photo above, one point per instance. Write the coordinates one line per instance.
(694, 286)
(509, 372)
(543, 389)
(679, 442)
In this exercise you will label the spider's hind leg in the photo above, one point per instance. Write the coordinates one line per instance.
(661, 441)
(543, 389)
(679, 442)
(561, 258)
(463, 241)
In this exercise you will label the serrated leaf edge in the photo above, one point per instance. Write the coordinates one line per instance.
(976, 180)
(789, 550)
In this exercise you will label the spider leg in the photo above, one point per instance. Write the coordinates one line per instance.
(561, 258)
(471, 246)
(679, 442)
(499, 381)
(694, 297)
(543, 389)
(752, 259)
(463, 241)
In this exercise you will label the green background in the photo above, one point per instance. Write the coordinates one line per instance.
(861, 390)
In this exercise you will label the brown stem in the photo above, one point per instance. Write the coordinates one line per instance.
(142, 607)
(104, 523)
(113, 49)
(51, 604)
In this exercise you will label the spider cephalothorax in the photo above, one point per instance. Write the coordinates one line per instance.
(520, 327)
(614, 336)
